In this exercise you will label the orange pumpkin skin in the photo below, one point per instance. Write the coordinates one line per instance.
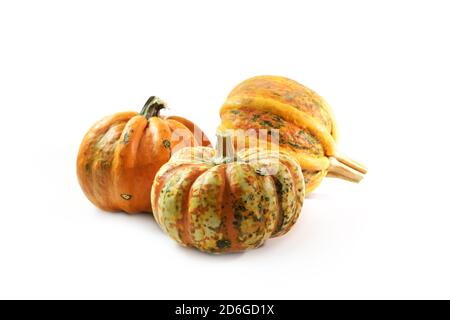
(121, 154)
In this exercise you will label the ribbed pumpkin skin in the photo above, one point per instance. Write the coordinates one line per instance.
(120, 155)
(306, 123)
(227, 207)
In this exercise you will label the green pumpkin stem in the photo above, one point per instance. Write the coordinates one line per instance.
(152, 107)
(224, 148)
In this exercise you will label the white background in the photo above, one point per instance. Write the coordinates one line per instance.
(382, 65)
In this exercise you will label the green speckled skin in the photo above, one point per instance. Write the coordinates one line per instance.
(227, 207)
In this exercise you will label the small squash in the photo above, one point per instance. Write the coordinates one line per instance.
(307, 128)
(120, 155)
(218, 201)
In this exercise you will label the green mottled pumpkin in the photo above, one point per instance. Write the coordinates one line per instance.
(218, 201)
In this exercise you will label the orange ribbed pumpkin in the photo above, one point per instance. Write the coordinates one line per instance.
(120, 155)
(218, 202)
(307, 128)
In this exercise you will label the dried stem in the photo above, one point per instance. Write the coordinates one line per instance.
(341, 170)
(152, 107)
(351, 163)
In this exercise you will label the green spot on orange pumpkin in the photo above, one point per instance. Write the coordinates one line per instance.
(126, 138)
(166, 144)
(221, 244)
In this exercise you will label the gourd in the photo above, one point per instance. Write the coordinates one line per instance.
(120, 155)
(220, 201)
(307, 127)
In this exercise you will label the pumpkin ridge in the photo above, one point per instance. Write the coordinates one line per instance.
(163, 174)
(125, 164)
(290, 136)
(280, 161)
(280, 212)
(289, 113)
(101, 165)
(243, 184)
(176, 186)
(259, 213)
(264, 205)
(161, 133)
(299, 202)
(183, 224)
(229, 213)
(130, 140)
(283, 190)
(307, 162)
(205, 215)
(89, 152)
(271, 206)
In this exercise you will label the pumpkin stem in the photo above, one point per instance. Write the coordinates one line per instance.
(224, 148)
(152, 107)
(346, 169)
(351, 163)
